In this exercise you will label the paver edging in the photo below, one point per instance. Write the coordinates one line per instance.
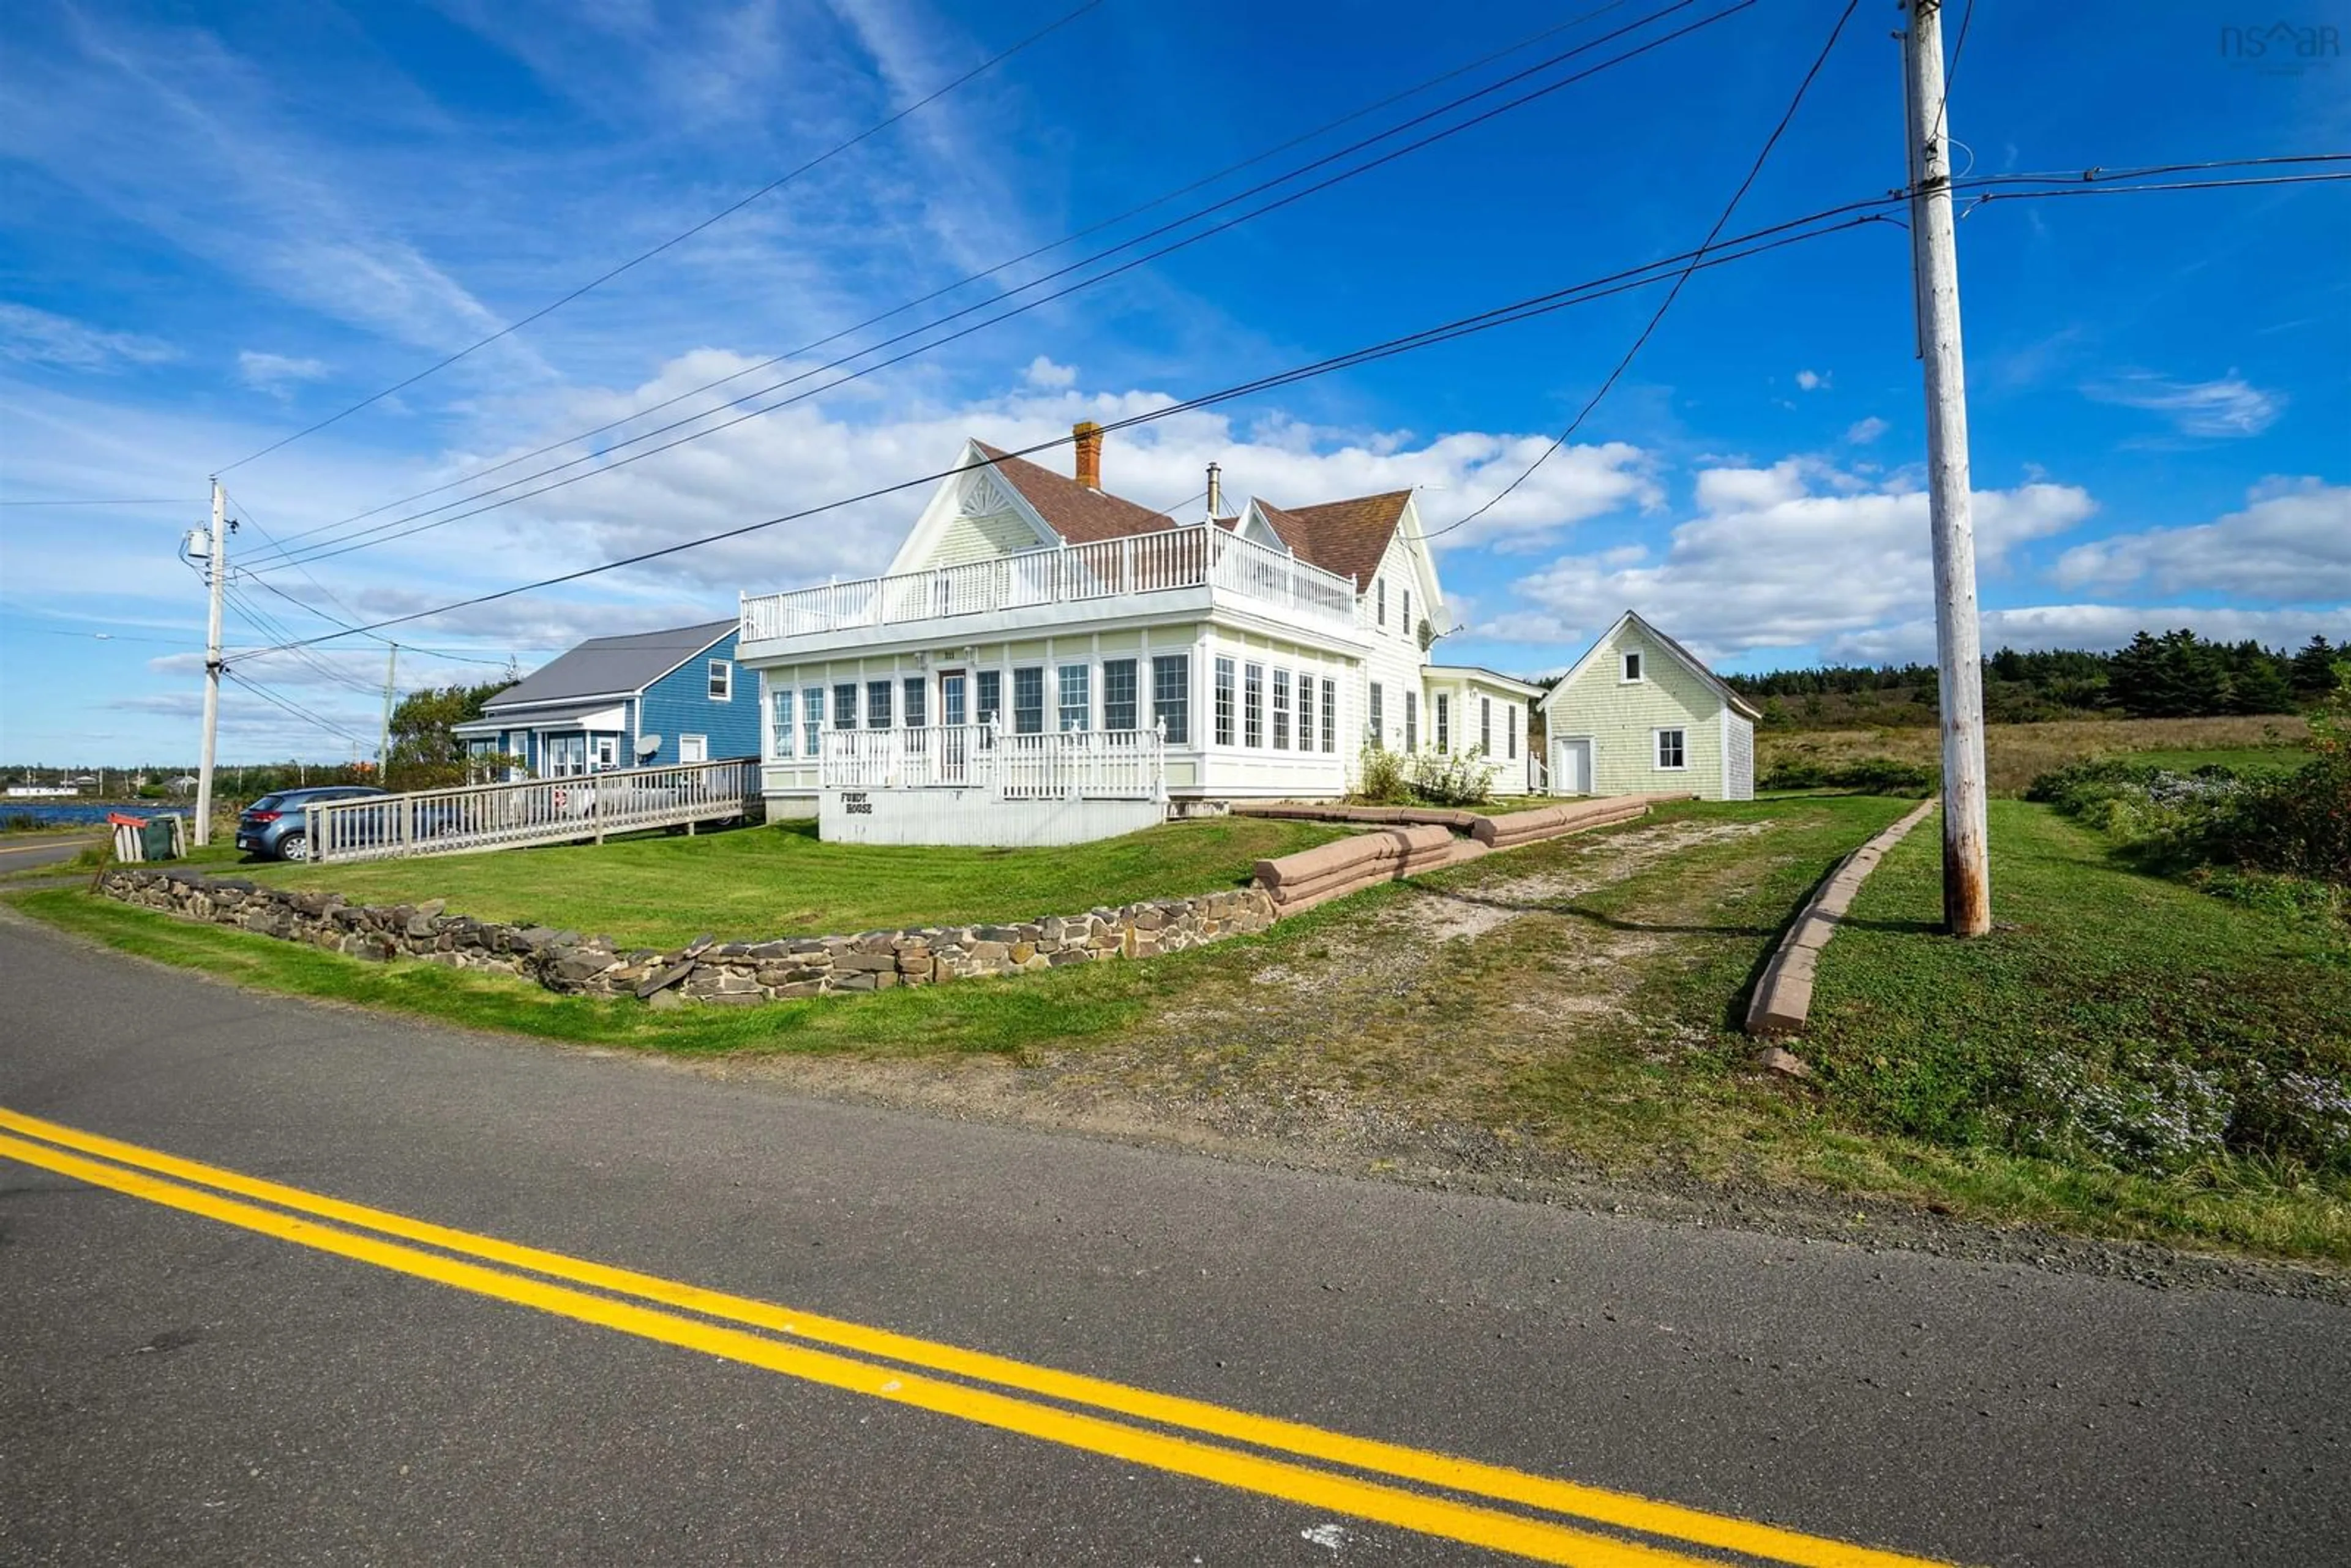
(1784, 996)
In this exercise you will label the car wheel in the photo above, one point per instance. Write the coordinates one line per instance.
(293, 847)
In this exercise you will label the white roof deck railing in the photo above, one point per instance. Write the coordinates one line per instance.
(1195, 556)
(1058, 765)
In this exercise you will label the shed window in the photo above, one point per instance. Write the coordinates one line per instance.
(1171, 695)
(722, 681)
(1029, 700)
(844, 706)
(1632, 666)
(1669, 749)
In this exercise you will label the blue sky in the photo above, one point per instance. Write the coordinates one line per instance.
(221, 224)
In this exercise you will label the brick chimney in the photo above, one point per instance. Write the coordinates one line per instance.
(1089, 438)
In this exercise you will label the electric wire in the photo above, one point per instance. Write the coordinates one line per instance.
(1754, 171)
(775, 184)
(1070, 239)
(383, 532)
(296, 709)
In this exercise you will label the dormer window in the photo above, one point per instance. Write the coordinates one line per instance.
(1632, 666)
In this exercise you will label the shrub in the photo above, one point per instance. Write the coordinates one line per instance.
(1462, 779)
(1866, 775)
(1380, 778)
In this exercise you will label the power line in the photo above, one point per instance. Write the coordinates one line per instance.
(296, 709)
(1754, 171)
(2107, 190)
(135, 501)
(383, 532)
(1070, 239)
(1794, 230)
(108, 637)
(984, 66)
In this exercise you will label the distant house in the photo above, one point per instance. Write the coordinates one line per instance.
(642, 700)
(1640, 712)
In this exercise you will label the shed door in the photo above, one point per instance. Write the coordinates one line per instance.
(1570, 770)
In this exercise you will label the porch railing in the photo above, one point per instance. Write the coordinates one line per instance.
(1066, 765)
(468, 818)
(1196, 555)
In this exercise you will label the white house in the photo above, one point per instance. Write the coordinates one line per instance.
(1037, 637)
(1640, 712)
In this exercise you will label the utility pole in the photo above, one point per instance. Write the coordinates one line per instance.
(1967, 871)
(216, 581)
(383, 746)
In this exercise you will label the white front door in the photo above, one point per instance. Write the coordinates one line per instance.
(1570, 767)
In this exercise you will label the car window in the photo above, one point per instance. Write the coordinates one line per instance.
(267, 803)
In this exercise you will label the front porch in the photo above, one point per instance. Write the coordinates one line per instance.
(977, 784)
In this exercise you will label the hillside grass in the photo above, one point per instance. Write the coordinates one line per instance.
(782, 881)
(2015, 754)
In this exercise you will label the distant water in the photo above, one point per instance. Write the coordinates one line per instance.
(80, 813)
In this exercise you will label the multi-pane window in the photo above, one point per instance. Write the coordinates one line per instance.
(1118, 693)
(1669, 749)
(918, 702)
(780, 732)
(1224, 702)
(1407, 611)
(1412, 721)
(1329, 715)
(1486, 727)
(811, 721)
(1252, 705)
(844, 706)
(1281, 710)
(1382, 588)
(1305, 711)
(1171, 695)
(1029, 700)
(1377, 720)
(991, 696)
(1442, 713)
(722, 681)
(877, 704)
(1511, 723)
(1074, 684)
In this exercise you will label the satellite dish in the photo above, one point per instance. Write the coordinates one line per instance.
(648, 745)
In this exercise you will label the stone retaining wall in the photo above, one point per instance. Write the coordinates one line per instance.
(723, 973)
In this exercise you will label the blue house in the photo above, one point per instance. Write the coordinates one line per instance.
(642, 700)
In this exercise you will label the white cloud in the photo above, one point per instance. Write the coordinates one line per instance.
(277, 372)
(2230, 406)
(1811, 381)
(1790, 556)
(44, 338)
(2291, 542)
(1861, 432)
(1043, 372)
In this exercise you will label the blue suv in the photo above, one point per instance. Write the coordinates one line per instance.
(275, 826)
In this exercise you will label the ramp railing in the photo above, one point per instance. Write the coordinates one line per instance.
(465, 819)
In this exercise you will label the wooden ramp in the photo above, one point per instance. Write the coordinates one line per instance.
(475, 817)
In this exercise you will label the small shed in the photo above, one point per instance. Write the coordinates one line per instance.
(1640, 712)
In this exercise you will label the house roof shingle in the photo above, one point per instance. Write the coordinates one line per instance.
(1345, 536)
(603, 666)
(1079, 514)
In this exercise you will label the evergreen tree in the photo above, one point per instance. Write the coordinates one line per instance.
(2313, 668)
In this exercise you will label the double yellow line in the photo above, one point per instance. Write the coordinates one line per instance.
(1185, 1436)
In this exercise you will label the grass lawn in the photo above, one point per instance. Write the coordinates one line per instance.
(783, 880)
(2015, 754)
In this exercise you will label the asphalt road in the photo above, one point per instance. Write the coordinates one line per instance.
(175, 1388)
(31, 853)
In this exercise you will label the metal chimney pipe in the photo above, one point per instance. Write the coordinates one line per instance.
(1215, 492)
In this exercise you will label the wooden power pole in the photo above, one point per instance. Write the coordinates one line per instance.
(1967, 871)
(216, 582)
